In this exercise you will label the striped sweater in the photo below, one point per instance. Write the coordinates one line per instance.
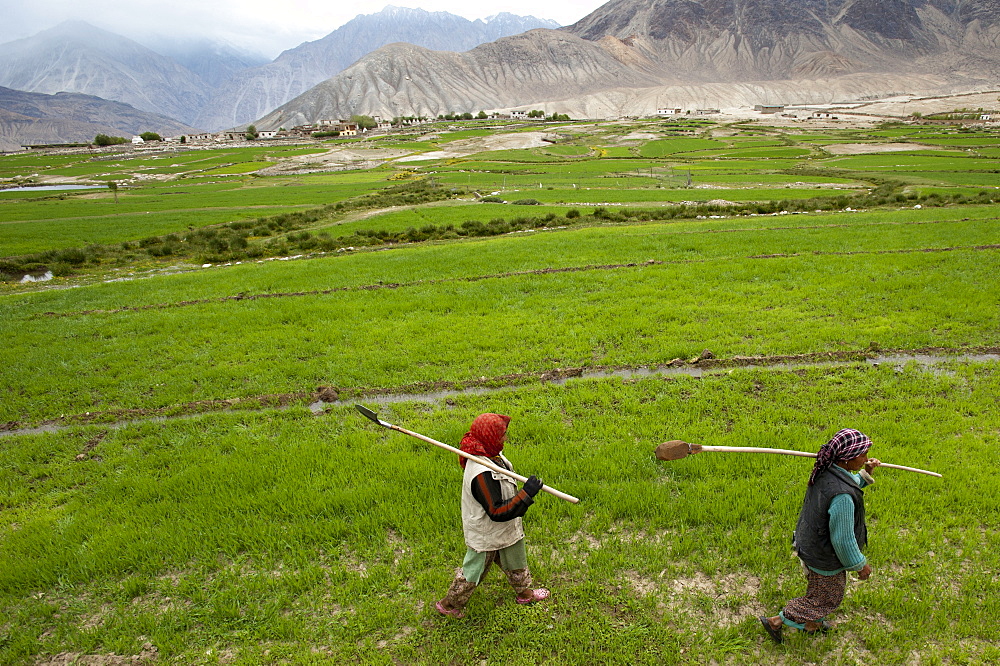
(487, 492)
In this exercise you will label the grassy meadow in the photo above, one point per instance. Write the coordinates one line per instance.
(171, 491)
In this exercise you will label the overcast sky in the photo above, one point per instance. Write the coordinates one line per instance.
(266, 26)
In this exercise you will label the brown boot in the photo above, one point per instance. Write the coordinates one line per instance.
(453, 604)
(520, 580)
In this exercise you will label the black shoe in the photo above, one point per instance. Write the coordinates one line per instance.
(775, 634)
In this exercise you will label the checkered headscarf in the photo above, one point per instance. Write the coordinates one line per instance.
(847, 444)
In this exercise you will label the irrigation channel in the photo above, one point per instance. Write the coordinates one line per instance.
(702, 366)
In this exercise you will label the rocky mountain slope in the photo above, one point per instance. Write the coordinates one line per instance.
(631, 56)
(739, 40)
(254, 92)
(77, 57)
(34, 118)
(403, 79)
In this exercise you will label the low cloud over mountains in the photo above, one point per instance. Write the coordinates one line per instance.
(626, 58)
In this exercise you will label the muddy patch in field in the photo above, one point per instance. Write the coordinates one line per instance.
(576, 551)
(335, 159)
(399, 636)
(148, 655)
(636, 138)
(723, 601)
(465, 147)
(352, 562)
(97, 619)
(640, 584)
(583, 538)
(864, 148)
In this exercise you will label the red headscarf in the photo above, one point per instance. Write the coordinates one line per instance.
(485, 436)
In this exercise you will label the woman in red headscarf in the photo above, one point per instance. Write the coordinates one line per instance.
(830, 534)
(492, 507)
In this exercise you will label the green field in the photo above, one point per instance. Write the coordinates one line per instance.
(172, 492)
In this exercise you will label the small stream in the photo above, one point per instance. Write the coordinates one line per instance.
(928, 362)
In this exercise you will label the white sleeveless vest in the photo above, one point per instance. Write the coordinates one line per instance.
(481, 533)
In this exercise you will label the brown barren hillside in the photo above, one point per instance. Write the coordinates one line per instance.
(631, 56)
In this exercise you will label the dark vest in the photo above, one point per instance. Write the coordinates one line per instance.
(812, 533)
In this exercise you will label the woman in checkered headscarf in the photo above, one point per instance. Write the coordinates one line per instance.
(831, 532)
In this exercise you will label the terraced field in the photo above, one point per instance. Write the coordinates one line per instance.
(185, 478)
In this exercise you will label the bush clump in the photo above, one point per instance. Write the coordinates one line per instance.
(286, 233)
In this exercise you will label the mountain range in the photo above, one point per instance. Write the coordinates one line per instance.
(214, 86)
(253, 92)
(37, 118)
(77, 57)
(630, 56)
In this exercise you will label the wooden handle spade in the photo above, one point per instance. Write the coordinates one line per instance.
(676, 449)
(369, 414)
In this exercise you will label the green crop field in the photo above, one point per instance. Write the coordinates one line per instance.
(185, 478)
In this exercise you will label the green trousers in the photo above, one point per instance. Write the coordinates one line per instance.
(511, 558)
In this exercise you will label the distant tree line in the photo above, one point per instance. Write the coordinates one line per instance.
(105, 140)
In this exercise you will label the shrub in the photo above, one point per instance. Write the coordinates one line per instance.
(74, 256)
(473, 228)
(105, 140)
(527, 202)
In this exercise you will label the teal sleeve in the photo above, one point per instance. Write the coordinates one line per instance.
(842, 533)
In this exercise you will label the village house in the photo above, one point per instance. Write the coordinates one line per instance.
(769, 108)
(519, 115)
(668, 112)
(344, 128)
